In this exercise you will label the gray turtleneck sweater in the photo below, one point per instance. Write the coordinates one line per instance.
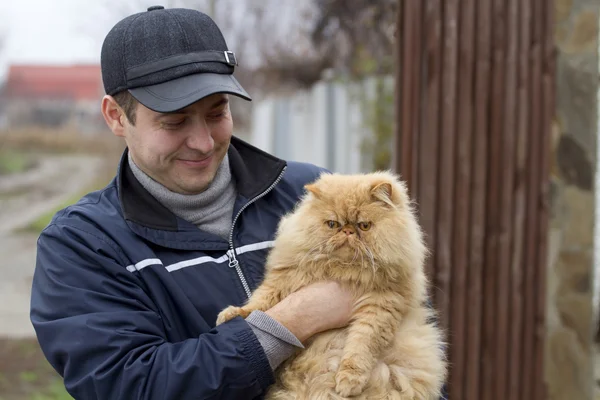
(212, 212)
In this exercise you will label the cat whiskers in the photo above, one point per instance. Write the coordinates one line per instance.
(362, 258)
(372, 259)
(356, 253)
(354, 258)
(365, 250)
(315, 249)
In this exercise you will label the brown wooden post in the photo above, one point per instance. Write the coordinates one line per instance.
(474, 108)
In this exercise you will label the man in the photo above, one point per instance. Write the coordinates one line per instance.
(129, 281)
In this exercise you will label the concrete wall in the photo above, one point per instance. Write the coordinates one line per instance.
(570, 327)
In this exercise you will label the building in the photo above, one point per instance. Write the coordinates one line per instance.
(53, 96)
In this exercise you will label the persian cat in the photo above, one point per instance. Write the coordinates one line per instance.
(360, 230)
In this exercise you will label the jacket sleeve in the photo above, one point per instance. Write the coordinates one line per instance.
(103, 334)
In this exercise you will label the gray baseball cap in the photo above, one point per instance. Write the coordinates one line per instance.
(168, 59)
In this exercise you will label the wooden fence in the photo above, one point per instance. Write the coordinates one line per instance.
(475, 101)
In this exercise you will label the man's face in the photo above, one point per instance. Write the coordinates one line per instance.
(181, 150)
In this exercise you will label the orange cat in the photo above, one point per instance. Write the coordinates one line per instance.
(360, 230)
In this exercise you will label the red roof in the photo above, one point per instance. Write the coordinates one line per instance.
(76, 82)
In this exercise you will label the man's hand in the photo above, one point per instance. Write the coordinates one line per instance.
(314, 309)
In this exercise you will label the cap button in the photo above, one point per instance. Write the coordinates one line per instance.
(152, 8)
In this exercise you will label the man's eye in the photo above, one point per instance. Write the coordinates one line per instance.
(172, 124)
(217, 115)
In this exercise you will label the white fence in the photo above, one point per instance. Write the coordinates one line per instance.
(323, 126)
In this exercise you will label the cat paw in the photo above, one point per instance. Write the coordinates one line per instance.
(230, 313)
(350, 381)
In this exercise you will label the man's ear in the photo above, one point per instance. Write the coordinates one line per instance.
(114, 116)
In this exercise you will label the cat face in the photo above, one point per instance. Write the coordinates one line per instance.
(349, 220)
(360, 220)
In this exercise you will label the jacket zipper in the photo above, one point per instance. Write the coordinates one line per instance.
(233, 261)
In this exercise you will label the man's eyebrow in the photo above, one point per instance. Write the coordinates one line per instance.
(166, 114)
(220, 103)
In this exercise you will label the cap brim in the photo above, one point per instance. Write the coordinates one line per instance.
(180, 93)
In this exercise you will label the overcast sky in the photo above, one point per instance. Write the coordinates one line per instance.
(57, 31)
(71, 31)
(42, 31)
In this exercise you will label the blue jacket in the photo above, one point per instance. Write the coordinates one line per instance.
(125, 294)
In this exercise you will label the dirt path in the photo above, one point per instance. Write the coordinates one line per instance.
(24, 198)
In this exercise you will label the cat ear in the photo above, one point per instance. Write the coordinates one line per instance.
(312, 188)
(383, 192)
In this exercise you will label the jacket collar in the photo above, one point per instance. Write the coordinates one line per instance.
(253, 170)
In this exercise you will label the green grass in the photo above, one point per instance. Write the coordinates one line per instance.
(38, 225)
(12, 162)
(25, 374)
(28, 376)
(56, 391)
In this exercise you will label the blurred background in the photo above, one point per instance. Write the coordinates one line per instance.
(488, 108)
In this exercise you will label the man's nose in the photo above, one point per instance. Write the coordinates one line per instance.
(201, 139)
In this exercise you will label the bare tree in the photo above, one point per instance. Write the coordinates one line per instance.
(355, 38)
(289, 44)
(367, 27)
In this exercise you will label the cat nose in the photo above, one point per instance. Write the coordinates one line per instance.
(348, 230)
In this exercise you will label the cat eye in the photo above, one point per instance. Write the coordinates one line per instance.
(364, 226)
(332, 224)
